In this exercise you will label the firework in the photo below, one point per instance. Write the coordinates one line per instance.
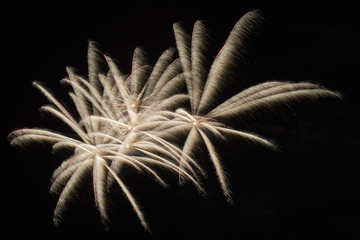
(205, 82)
(120, 120)
(156, 116)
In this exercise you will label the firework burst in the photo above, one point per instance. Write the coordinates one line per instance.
(123, 122)
(138, 120)
(208, 113)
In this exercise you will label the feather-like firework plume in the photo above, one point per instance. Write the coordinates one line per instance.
(208, 112)
(123, 122)
(138, 120)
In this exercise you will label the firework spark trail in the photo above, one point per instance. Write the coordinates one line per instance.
(154, 119)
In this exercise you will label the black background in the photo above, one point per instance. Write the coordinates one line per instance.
(308, 190)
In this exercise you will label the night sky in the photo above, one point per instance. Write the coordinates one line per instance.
(308, 190)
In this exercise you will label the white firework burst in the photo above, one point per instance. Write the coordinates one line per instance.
(139, 120)
(208, 114)
(123, 122)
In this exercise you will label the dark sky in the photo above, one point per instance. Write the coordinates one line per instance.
(308, 190)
